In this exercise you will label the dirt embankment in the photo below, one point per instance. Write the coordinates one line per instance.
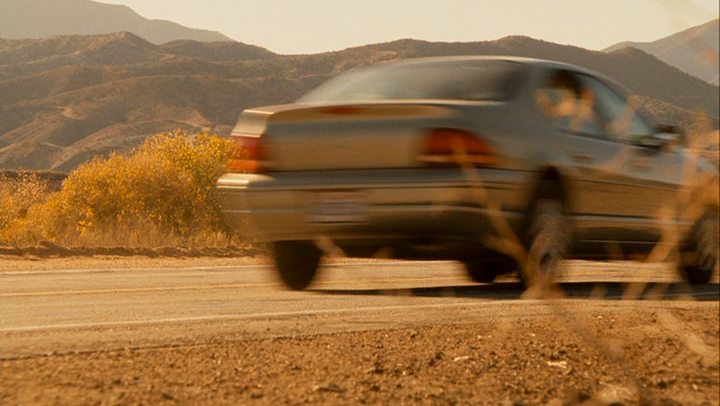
(597, 355)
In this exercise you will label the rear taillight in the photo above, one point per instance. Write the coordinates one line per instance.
(453, 147)
(249, 154)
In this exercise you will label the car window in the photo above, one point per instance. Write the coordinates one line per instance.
(476, 80)
(569, 104)
(621, 118)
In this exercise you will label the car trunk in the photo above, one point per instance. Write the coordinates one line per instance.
(357, 136)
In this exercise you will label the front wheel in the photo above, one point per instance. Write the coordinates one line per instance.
(296, 262)
(548, 240)
(699, 261)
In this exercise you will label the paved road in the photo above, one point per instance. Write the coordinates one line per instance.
(76, 310)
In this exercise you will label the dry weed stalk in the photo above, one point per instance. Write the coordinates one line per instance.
(677, 221)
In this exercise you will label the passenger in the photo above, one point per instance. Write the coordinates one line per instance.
(569, 104)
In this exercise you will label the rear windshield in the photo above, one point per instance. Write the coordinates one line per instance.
(448, 80)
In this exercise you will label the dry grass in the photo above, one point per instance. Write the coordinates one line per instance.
(697, 195)
(162, 194)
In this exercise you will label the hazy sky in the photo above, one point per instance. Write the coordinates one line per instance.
(309, 26)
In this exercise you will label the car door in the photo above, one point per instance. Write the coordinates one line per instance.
(592, 160)
(645, 179)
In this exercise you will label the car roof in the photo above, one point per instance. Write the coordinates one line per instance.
(534, 62)
(509, 58)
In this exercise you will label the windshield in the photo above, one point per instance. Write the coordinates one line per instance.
(446, 80)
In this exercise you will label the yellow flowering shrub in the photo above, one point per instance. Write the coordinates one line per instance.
(160, 194)
(18, 197)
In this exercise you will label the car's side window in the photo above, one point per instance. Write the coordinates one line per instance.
(569, 104)
(620, 118)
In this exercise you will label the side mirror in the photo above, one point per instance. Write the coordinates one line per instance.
(664, 136)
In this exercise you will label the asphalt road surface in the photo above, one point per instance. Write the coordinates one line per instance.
(70, 316)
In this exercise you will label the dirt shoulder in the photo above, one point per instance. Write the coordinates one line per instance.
(32, 263)
(47, 250)
(604, 353)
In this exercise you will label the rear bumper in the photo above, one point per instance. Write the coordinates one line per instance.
(386, 204)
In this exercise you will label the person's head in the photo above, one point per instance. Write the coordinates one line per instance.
(566, 82)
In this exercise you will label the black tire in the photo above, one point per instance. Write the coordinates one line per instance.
(480, 271)
(547, 240)
(296, 262)
(702, 252)
(489, 267)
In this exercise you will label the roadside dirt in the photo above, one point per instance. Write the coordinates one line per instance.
(99, 259)
(596, 353)
(46, 250)
(32, 263)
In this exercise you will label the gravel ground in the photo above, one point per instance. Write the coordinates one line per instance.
(598, 354)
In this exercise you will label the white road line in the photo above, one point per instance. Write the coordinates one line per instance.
(221, 317)
(231, 317)
(133, 290)
(30, 272)
(218, 286)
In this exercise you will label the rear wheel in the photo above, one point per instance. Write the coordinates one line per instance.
(485, 270)
(547, 242)
(701, 258)
(297, 262)
(480, 271)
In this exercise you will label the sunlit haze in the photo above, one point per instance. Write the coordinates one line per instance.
(288, 26)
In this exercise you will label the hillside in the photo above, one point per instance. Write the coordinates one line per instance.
(694, 51)
(65, 99)
(43, 18)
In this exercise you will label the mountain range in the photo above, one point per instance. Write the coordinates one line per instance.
(43, 18)
(67, 98)
(694, 50)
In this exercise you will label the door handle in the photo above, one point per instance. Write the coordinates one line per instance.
(581, 158)
(639, 166)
